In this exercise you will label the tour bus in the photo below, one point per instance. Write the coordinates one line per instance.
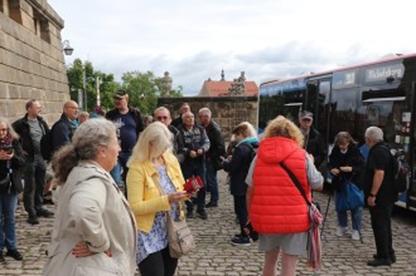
(380, 93)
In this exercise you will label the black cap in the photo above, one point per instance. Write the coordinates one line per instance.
(120, 94)
(306, 114)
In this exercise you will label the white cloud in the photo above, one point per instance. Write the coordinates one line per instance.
(195, 39)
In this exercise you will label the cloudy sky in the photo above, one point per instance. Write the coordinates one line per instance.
(268, 39)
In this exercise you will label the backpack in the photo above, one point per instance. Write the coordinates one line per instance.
(401, 170)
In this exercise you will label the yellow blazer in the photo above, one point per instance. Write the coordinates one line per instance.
(143, 193)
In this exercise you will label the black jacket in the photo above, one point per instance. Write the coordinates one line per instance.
(22, 128)
(238, 167)
(62, 132)
(217, 148)
(17, 163)
(113, 114)
(315, 145)
(351, 158)
(177, 122)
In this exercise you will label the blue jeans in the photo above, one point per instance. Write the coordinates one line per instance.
(8, 204)
(116, 174)
(356, 216)
(212, 182)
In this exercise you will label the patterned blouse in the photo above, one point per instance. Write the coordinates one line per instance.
(157, 239)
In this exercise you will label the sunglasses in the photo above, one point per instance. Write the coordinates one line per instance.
(159, 118)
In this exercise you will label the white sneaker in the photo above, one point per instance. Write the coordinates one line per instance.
(355, 235)
(341, 231)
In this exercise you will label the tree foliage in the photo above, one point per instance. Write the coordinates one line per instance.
(143, 88)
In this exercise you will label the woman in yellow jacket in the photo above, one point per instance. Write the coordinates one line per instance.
(155, 187)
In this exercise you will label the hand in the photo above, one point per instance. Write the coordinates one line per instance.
(192, 153)
(335, 171)
(177, 196)
(200, 151)
(81, 250)
(371, 201)
(6, 156)
(346, 169)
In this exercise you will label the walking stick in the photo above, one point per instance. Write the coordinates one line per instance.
(326, 214)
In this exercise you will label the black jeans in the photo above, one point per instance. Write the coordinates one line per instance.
(158, 264)
(381, 224)
(240, 210)
(34, 183)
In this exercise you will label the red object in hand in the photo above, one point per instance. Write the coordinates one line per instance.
(193, 184)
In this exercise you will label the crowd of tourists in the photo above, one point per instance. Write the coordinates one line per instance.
(123, 182)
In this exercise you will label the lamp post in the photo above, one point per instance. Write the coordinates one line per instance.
(68, 50)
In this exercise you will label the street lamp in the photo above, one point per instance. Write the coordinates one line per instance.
(68, 50)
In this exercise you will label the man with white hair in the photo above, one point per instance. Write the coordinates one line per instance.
(213, 156)
(380, 195)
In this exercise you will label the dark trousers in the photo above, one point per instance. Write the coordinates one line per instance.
(381, 224)
(212, 182)
(34, 183)
(198, 169)
(240, 209)
(158, 264)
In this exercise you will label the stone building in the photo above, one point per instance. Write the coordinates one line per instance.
(238, 87)
(31, 59)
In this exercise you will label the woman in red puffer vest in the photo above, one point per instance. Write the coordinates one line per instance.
(277, 210)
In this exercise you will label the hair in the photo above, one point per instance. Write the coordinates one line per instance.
(205, 110)
(374, 134)
(84, 114)
(87, 140)
(161, 108)
(187, 112)
(245, 129)
(281, 126)
(29, 103)
(10, 129)
(344, 137)
(153, 142)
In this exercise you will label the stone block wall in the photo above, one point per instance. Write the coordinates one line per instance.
(228, 112)
(32, 63)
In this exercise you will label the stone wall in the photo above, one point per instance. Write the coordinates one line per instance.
(32, 64)
(226, 111)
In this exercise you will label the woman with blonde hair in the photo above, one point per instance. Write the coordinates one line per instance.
(277, 210)
(155, 187)
(94, 231)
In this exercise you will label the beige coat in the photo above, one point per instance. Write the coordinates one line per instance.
(92, 209)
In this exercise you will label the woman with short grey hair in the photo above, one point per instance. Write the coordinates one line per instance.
(94, 231)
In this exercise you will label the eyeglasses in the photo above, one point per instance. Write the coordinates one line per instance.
(4, 129)
(160, 118)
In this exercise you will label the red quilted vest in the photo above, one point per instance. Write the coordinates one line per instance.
(276, 204)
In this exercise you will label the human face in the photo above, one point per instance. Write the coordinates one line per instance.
(184, 108)
(163, 116)
(108, 154)
(35, 109)
(71, 110)
(120, 102)
(204, 118)
(3, 130)
(188, 119)
(343, 147)
(305, 123)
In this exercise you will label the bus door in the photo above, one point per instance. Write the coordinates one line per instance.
(411, 191)
(318, 102)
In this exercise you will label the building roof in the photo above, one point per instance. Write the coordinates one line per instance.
(212, 88)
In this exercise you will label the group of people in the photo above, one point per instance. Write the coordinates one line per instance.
(120, 179)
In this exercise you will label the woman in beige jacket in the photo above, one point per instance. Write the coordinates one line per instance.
(94, 231)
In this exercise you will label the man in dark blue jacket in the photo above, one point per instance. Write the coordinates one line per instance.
(65, 127)
(31, 128)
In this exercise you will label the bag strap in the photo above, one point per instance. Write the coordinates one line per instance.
(296, 182)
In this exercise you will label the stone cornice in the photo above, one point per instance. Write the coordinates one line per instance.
(46, 10)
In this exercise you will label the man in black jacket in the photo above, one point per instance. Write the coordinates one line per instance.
(65, 127)
(31, 128)
(380, 194)
(185, 107)
(314, 143)
(129, 124)
(213, 156)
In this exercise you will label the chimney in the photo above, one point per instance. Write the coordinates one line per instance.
(222, 75)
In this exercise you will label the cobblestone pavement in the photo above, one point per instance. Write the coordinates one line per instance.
(216, 256)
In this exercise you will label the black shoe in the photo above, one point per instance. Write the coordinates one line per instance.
(202, 214)
(252, 233)
(379, 262)
(212, 204)
(14, 254)
(33, 220)
(189, 214)
(2, 260)
(392, 258)
(241, 241)
(44, 213)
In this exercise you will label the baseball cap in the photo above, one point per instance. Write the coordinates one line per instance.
(120, 94)
(306, 114)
